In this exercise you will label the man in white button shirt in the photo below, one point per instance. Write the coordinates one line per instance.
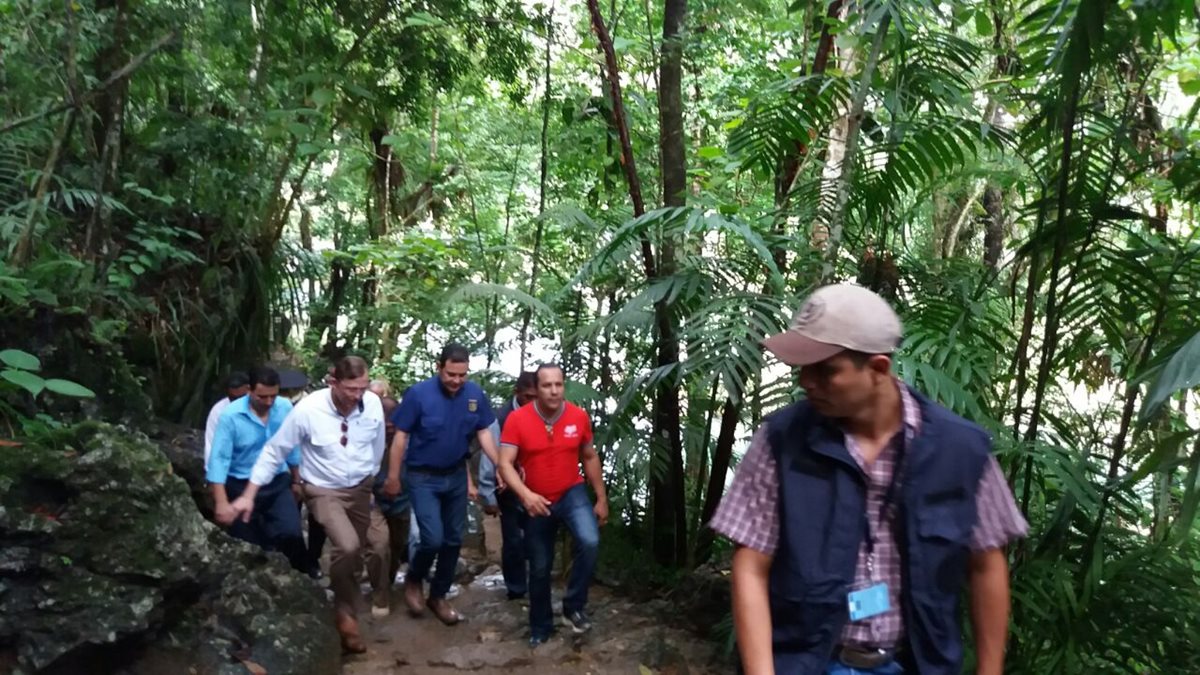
(237, 385)
(340, 433)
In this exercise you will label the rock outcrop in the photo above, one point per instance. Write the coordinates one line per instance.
(106, 566)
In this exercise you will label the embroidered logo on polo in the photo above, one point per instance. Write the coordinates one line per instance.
(570, 431)
(472, 405)
(810, 312)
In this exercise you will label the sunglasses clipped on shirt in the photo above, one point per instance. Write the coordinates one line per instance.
(345, 429)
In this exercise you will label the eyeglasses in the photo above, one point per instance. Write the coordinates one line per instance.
(345, 428)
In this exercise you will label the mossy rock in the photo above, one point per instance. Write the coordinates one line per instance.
(106, 565)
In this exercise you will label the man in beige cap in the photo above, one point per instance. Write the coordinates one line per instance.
(860, 513)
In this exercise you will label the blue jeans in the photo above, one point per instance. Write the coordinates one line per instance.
(512, 533)
(275, 522)
(574, 510)
(838, 668)
(439, 504)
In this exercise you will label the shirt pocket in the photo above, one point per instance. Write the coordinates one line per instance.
(433, 423)
(327, 440)
(364, 429)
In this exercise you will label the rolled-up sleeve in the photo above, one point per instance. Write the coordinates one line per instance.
(999, 521)
(749, 513)
(217, 468)
(487, 470)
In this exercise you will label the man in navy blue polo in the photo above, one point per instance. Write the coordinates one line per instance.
(241, 432)
(435, 423)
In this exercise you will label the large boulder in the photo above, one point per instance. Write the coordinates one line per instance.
(107, 566)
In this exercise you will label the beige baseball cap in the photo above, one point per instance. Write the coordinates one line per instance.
(836, 318)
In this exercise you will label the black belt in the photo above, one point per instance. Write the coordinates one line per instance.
(435, 470)
(865, 658)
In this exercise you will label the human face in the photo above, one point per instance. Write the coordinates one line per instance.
(235, 393)
(525, 395)
(550, 389)
(839, 387)
(349, 392)
(453, 375)
(262, 397)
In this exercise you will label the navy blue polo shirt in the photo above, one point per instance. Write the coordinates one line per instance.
(440, 427)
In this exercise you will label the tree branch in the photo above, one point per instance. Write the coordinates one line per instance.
(124, 72)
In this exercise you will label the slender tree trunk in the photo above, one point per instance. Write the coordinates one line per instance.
(789, 168)
(543, 167)
(995, 225)
(107, 128)
(850, 157)
(670, 511)
(722, 458)
(433, 133)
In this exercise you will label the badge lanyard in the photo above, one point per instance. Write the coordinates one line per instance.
(888, 497)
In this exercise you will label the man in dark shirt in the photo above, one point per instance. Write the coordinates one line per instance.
(503, 502)
(435, 423)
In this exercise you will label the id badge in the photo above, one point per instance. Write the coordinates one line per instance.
(868, 602)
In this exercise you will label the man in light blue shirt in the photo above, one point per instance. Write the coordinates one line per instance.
(242, 431)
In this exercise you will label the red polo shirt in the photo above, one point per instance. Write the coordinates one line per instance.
(550, 459)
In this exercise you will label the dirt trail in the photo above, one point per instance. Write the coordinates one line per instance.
(627, 637)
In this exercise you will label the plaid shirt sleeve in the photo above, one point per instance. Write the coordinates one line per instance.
(749, 512)
(999, 521)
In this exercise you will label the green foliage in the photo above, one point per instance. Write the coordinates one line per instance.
(306, 181)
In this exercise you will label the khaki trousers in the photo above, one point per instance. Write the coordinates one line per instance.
(345, 513)
(387, 547)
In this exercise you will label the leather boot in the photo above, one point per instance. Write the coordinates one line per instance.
(443, 611)
(414, 597)
(347, 627)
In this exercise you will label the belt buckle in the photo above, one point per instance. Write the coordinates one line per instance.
(866, 659)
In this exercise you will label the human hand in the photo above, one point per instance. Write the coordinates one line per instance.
(392, 487)
(243, 507)
(472, 491)
(601, 511)
(224, 514)
(536, 505)
(298, 492)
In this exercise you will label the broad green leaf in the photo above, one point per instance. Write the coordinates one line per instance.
(710, 152)
(69, 388)
(1180, 373)
(621, 44)
(422, 19)
(16, 358)
(28, 381)
(322, 97)
(305, 149)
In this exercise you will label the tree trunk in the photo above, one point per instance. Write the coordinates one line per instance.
(107, 128)
(543, 167)
(994, 229)
(854, 122)
(670, 512)
(722, 458)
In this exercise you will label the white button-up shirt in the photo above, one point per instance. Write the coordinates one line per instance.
(315, 426)
(210, 426)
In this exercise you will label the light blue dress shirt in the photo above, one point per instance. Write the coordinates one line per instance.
(240, 437)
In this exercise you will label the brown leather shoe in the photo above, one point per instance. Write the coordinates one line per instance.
(443, 611)
(347, 627)
(414, 597)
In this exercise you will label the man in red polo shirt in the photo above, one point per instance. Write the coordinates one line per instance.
(550, 438)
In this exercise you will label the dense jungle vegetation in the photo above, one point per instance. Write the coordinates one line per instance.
(643, 191)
